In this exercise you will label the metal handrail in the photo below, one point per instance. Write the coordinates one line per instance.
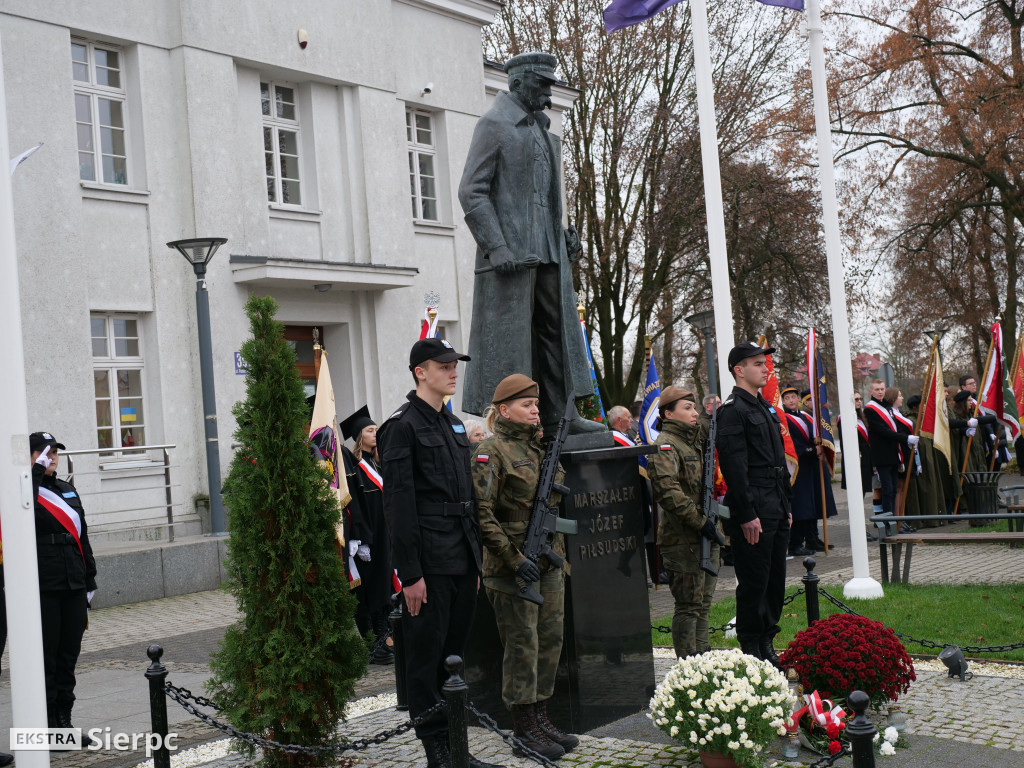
(139, 449)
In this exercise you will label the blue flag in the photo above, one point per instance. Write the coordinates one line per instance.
(593, 373)
(649, 410)
(626, 13)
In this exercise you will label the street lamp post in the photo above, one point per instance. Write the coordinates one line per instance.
(198, 253)
(704, 322)
(937, 332)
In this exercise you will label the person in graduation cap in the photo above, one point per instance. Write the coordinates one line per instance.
(373, 549)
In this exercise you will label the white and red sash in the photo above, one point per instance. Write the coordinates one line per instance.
(374, 477)
(863, 429)
(903, 420)
(622, 439)
(884, 413)
(64, 513)
(798, 421)
(372, 474)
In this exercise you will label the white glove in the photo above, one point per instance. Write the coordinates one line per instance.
(972, 423)
(971, 431)
(363, 553)
(353, 547)
(44, 457)
(912, 440)
(88, 597)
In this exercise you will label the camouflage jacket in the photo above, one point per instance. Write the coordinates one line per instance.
(506, 470)
(676, 473)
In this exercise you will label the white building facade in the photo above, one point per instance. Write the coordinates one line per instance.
(332, 170)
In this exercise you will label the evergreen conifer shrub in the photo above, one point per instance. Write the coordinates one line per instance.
(286, 670)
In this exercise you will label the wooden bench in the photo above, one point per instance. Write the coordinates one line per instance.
(890, 540)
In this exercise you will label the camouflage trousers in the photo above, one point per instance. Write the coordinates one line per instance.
(693, 590)
(532, 637)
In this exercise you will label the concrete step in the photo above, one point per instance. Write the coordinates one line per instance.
(135, 571)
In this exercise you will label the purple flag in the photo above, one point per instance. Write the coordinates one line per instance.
(625, 13)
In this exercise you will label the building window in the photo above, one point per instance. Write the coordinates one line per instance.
(419, 132)
(281, 143)
(97, 70)
(117, 376)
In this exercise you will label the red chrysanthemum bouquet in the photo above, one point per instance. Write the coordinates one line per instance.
(843, 653)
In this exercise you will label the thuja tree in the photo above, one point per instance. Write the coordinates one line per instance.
(286, 670)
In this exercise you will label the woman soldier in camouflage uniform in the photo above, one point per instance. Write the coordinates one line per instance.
(506, 470)
(676, 472)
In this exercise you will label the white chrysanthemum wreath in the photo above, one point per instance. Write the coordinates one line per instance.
(724, 701)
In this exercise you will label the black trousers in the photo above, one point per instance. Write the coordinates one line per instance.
(440, 630)
(887, 477)
(548, 352)
(760, 579)
(803, 531)
(65, 614)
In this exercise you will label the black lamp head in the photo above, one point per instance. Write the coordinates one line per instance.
(198, 251)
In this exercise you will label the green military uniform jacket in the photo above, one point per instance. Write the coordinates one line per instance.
(676, 472)
(506, 470)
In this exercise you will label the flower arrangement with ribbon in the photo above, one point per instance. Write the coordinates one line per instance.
(841, 654)
(724, 701)
(822, 722)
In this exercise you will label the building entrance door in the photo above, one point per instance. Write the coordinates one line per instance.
(301, 339)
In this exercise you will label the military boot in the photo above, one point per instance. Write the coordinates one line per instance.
(529, 733)
(768, 652)
(6, 758)
(382, 652)
(751, 647)
(64, 721)
(436, 749)
(566, 741)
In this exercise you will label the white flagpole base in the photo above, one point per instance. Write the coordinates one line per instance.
(864, 587)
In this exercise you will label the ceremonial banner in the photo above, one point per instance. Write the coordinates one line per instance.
(428, 328)
(996, 396)
(933, 415)
(771, 392)
(649, 410)
(1016, 377)
(590, 362)
(823, 429)
(323, 437)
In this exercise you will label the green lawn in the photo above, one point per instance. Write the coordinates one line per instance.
(956, 614)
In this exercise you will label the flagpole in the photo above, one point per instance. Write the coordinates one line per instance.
(721, 293)
(970, 438)
(656, 566)
(861, 585)
(28, 691)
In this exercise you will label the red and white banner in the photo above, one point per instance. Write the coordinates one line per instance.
(996, 396)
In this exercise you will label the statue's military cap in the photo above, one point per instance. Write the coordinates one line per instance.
(541, 63)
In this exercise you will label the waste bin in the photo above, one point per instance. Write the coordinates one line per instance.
(981, 492)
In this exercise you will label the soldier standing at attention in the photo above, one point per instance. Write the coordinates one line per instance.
(753, 462)
(435, 535)
(677, 474)
(506, 472)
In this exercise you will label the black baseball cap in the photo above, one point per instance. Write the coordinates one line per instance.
(748, 349)
(39, 440)
(433, 349)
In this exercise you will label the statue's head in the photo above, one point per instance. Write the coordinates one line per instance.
(530, 76)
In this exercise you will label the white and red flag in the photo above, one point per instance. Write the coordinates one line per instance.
(996, 396)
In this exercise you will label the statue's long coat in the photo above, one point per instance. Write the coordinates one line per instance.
(511, 196)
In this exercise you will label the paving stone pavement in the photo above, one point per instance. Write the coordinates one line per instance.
(950, 724)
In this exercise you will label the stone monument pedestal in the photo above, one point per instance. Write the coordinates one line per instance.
(607, 669)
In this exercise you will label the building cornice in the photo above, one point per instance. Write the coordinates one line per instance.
(480, 12)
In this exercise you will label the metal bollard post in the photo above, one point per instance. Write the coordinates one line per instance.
(395, 619)
(861, 732)
(810, 580)
(157, 676)
(456, 694)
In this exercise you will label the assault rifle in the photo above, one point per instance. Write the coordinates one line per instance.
(544, 521)
(709, 531)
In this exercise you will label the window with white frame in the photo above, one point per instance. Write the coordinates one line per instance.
(420, 134)
(281, 142)
(117, 376)
(97, 70)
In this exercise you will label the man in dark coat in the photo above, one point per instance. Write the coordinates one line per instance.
(524, 306)
(806, 503)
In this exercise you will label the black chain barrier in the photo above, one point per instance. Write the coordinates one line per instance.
(184, 697)
(925, 643)
(829, 759)
(510, 740)
(667, 630)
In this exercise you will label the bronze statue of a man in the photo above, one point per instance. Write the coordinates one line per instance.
(524, 306)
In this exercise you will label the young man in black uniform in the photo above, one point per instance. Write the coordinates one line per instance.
(435, 533)
(67, 576)
(753, 463)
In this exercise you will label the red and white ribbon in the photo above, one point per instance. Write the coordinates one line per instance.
(834, 715)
